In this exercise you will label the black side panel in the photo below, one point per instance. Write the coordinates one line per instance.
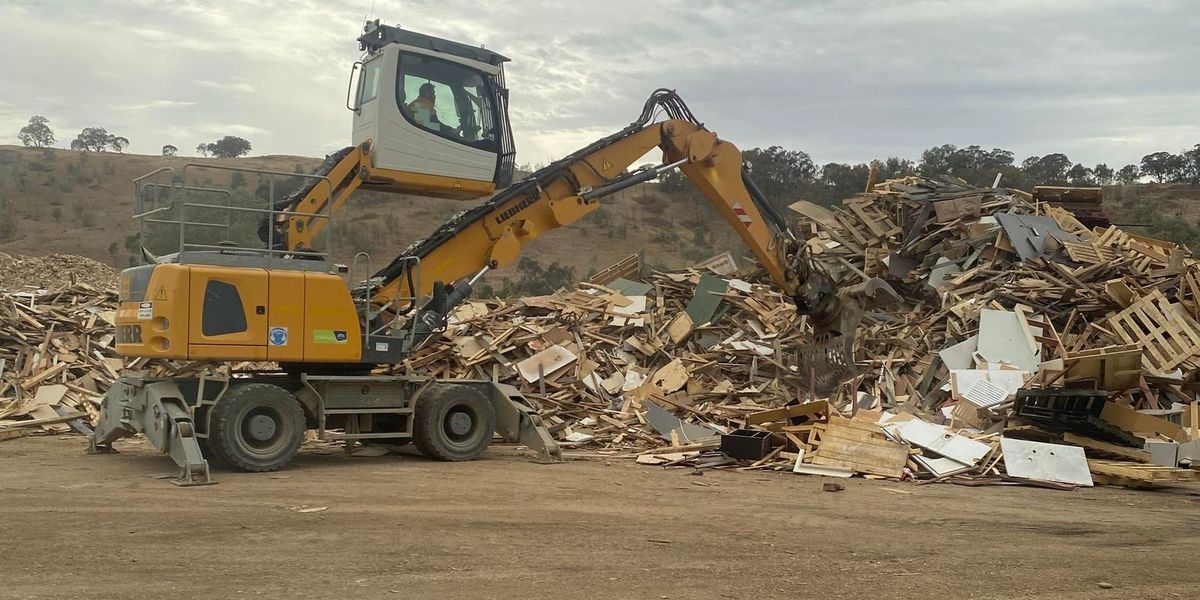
(507, 161)
(223, 312)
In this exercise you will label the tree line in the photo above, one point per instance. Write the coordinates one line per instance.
(38, 134)
(785, 176)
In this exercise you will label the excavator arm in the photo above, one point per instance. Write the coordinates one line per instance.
(495, 233)
(444, 266)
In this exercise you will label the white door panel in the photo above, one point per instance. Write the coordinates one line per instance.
(404, 146)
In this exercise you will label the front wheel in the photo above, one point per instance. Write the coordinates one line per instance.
(256, 427)
(453, 422)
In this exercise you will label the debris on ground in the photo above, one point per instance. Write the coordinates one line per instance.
(33, 273)
(1019, 326)
(58, 357)
(1027, 349)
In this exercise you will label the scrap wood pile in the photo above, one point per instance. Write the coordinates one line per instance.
(31, 273)
(57, 358)
(623, 364)
(1021, 326)
(1013, 314)
(56, 347)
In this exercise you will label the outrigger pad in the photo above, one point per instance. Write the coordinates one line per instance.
(517, 422)
(155, 408)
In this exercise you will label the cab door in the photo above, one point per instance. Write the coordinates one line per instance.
(228, 313)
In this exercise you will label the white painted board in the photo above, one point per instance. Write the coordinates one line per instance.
(1040, 461)
(937, 438)
(1002, 338)
(942, 466)
(551, 359)
(985, 393)
(960, 355)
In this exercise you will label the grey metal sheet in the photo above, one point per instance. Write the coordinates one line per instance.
(1028, 233)
(664, 423)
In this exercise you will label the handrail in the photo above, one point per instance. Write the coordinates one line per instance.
(367, 306)
(255, 250)
(329, 187)
(155, 197)
(350, 86)
(258, 210)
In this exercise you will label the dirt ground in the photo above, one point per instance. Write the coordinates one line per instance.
(78, 526)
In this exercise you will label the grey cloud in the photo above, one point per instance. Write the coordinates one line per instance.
(239, 86)
(154, 104)
(843, 80)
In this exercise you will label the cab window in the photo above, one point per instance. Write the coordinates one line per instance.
(448, 99)
(368, 87)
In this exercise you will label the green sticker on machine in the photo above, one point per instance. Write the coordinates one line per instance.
(329, 336)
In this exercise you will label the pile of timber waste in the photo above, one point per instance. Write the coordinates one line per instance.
(1026, 348)
(1022, 333)
(33, 273)
(57, 351)
(58, 357)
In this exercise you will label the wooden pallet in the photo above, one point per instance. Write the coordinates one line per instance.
(1170, 337)
(1090, 254)
(858, 446)
(1131, 474)
(627, 267)
(1149, 254)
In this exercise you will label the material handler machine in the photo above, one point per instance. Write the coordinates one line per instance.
(430, 119)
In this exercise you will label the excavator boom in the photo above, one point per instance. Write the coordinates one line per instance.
(493, 234)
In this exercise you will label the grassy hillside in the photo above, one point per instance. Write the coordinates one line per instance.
(64, 201)
(1168, 211)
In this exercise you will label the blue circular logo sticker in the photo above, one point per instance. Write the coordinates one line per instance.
(277, 336)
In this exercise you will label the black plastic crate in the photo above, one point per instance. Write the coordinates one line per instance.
(747, 444)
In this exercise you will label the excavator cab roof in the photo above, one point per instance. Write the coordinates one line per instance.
(375, 36)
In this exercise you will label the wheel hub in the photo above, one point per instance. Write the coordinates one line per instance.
(460, 423)
(261, 428)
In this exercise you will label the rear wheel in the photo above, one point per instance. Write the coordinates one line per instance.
(256, 427)
(453, 422)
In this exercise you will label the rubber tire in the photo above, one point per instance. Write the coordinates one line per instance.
(430, 428)
(226, 442)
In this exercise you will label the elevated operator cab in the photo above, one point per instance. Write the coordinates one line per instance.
(434, 111)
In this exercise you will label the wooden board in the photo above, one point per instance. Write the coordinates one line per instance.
(1141, 472)
(680, 328)
(1112, 368)
(670, 377)
(627, 268)
(12, 434)
(1090, 254)
(802, 413)
(958, 208)
(1100, 448)
(1141, 424)
(848, 445)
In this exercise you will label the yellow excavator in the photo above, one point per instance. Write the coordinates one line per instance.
(430, 119)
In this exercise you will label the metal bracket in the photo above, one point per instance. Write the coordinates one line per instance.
(518, 422)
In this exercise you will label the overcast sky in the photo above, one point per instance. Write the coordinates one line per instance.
(847, 81)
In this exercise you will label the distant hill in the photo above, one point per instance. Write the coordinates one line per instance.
(65, 201)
